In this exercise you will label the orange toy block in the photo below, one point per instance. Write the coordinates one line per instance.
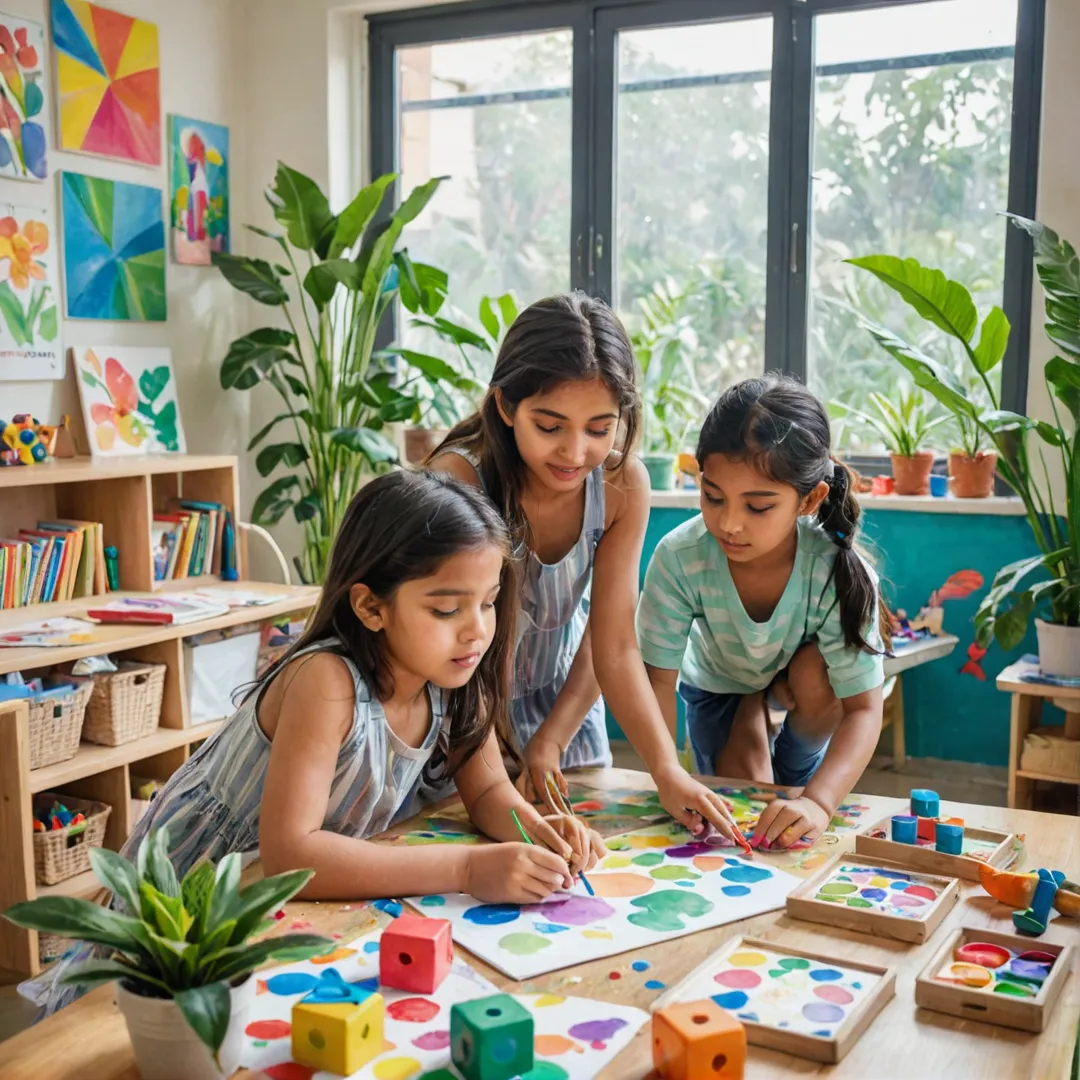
(415, 954)
(698, 1040)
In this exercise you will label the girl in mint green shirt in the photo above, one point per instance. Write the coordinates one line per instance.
(763, 600)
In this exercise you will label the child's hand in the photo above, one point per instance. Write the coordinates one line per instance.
(542, 756)
(588, 847)
(514, 873)
(787, 821)
(691, 803)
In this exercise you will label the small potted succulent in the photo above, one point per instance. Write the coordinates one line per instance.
(179, 951)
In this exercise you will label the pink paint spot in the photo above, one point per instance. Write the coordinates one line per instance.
(432, 1040)
(835, 995)
(738, 979)
(268, 1029)
(301, 924)
(573, 911)
(598, 1045)
(903, 900)
(336, 937)
(414, 1010)
(289, 1070)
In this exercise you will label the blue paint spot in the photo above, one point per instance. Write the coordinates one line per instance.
(735, 890)
(873, 894)
(641, 965)
(685, 884)
(856, 986)
(752, 1016)
(370, 985)
(654, 984)
(549, 927)
(492, 914)
(733, 862)
(826, 975)
(823, 1034)
(391, 907)
(733, 999)
(745, 875)
(295, 982)
(371, 946)
(784, 1023)
(899, 885)
(433, 901)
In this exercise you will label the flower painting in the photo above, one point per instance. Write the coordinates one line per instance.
(29, 322)
(129, 400)
(198, 189)
(23, 106)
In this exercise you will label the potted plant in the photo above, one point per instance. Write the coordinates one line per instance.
(338, 392)
(1054, 597)
(180, 952)
(904, 429)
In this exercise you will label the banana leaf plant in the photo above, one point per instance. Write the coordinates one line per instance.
(904, 428)
(1048, 583)
(338, 276)
(186, 940)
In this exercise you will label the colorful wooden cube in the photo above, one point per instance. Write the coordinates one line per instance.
(927, 828)
(415, 954)
(925, 803)
(696, 1040)
(903, 828)
(1034, 920)
(949, 838)
(491, 1038)
(338, 1027)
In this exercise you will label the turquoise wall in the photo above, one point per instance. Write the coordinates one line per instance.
(947, 715)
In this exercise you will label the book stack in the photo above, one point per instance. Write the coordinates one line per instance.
(168, 610)
(188, 540)
(59, 560)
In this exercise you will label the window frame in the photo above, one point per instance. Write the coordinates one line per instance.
(596, 24)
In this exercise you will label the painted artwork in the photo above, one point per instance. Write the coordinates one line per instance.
(24, 95)
(993, 969)
(887, 892)
(646, 890)
(129, 400)
(114, 250)
(109, 82)
(574, 1037)
(779, 990)
(29, 295)
(198, 189)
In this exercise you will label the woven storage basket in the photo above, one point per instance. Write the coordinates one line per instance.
(125, 704)
(56, 724)
(63, 853)
(52, 946)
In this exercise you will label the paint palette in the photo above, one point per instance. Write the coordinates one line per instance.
(997, 978)
(875, 897)
(648, 889)
(979, 846)
(798, 1002)
(574, 1037)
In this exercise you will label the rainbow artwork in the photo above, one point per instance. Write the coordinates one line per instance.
(574, 1037)
(648, 889)
(887, 892)
(993, 969)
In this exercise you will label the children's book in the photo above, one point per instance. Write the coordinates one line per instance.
(49, 634)
(171, 610)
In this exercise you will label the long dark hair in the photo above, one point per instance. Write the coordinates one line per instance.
(777, 425)
(570, 337)
(399, 527)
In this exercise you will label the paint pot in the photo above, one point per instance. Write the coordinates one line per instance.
(881, 485)
(925, 803)
(903, 828)
(967, 975)
(983, 954)
(950, 838)
(939, 486)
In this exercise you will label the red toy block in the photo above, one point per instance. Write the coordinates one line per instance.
(927, 828)
(415, 954)
(698, 1040)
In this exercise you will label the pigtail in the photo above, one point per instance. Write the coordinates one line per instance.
(839, 516)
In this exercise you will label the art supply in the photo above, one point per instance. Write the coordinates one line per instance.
(112, 568)
(564, 808)
(939, 486)
(1033, 921)
(925, 803)
(1017, 890)
(740, 839)
(903, 828)
(949, 838)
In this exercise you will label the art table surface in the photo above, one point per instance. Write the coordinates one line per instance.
(88, 1041)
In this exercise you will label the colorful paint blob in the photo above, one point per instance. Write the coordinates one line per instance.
(673, 873)
(648, 858)
(492, 914)
(331, 957)
(745, 874)
(414, 1010)
(641, 965)
(993, 969)
(287, 985)
(268, 1029)
(433, 901)
(554, 1045)
(573, 910)
(654, 984)
(738, 978)
(665, 911)
(887, 892)
(289, 1070)
(546, 1070)
(523, 944)
(432, 1040)
(593, 1031)
(620, 885)
(395, 1068)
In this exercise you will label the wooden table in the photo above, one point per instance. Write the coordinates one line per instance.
(88, 1040)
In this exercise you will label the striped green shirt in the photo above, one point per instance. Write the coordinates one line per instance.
(690, 617)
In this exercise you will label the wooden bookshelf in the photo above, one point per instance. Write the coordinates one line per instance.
(123, 495)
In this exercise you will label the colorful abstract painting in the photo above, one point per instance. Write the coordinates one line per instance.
(198, 189)
(574, 1037)
(109, 82)
(129, 400)
(888, 892)
(29, 320)
(114, 250)
(647, 890)
(993, 969)
(23, 99)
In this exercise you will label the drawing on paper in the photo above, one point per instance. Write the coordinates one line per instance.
(29, 321)
(24, 92)
(198, 189)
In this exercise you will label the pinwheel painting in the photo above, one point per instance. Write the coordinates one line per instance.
(109, 82)
(114, 250)
(23, 99)
(29, 323)
(198, 189)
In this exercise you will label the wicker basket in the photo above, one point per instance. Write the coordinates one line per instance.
(56, 724)
(63, 853)
(52, 946)
(125, 704)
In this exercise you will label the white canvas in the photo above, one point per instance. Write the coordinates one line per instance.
(29, 296)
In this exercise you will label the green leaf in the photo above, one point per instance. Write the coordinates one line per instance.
(298, 388)
(488, 318)
(14, 315)
(196, 890)
(945, 303)
(97, 972)
(264, 897)
(299, 207)
(70, 917)
(354, 219)
(218, 938)
(508, 306)
(251, 358)
(165, 914)
(307, 509)
(118, 876)
(276, 237)
(272, 502)
(1011, 626)
(231, 962)
(455, 333)
(999, 420)
(264, 431)
(1064, 376)
(370, 444)
(408, 286)
(401, 408)
(224, 902)
(287, 454)
(383, 247)
(207, 1010)
(434, 284)
(438, 370)
(993, 340)
(322, 280)
(47, 326)
(159, 868)
(1051, 433)
(256, 277)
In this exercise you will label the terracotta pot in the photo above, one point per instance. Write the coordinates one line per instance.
(911, 475)
(973, 478)
(420, 442)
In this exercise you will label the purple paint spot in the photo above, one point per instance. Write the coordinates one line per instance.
(826, 975)
(492, 914)
(735, 890)
(733, 999)
(432, 1040)
(574, 910)
(296, 982)
(745, 875)
(820, 1012)
(688, 851)
(596, 1030)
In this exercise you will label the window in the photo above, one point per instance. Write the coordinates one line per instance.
(717, 160)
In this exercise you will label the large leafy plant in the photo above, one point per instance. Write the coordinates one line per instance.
(1022, 443)
(186, 940)
(344, 273)
(904, 428)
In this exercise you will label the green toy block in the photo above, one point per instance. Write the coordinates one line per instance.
(491, 1038)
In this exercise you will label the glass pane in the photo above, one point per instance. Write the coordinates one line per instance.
(494, 116)
(911, 158)
(692, 166)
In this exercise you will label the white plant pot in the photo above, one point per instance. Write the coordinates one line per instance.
(165, 1046)
(1059, 649)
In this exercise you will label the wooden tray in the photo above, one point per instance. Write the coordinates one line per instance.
(1028, 1014)
(802, 903)
(929, 859)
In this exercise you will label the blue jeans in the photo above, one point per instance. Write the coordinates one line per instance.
(709, 717)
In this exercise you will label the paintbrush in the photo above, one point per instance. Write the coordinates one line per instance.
(564, 807)
(529, 840)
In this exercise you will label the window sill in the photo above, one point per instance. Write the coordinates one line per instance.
(996, 505)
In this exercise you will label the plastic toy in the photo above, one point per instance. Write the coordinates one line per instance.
(696, 1040)
(22, 437)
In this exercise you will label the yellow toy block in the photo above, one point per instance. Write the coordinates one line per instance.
(340, 1037)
